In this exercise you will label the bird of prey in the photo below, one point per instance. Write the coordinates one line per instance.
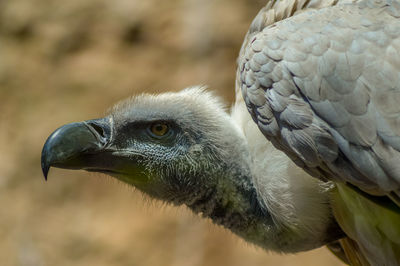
(320, 81)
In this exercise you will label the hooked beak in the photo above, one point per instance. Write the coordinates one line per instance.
(78, 146)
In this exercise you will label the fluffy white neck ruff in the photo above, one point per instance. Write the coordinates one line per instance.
(295, 199)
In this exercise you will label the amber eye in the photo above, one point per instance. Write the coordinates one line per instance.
(159, 129)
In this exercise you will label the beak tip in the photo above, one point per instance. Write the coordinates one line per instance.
(45, 168)
(46, 159)
(45, 172)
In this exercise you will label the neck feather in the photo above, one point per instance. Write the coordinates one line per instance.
(232, 202)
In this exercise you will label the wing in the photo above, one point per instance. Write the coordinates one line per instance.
(324, 87)
(375, 229)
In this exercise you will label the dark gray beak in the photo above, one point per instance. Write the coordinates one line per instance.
(77, 146)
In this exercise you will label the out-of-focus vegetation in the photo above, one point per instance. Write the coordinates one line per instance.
(64, 61)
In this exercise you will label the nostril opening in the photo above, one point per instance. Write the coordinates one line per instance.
(98, 129)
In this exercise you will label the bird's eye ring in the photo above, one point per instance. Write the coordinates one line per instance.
(159, 129)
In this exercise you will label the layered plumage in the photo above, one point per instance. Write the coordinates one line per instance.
(323, 86)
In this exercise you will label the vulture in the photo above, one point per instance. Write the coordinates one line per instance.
(309, 154)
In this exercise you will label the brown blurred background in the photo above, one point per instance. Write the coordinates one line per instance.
(64, 61)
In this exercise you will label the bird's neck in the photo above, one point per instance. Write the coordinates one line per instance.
(231, 201)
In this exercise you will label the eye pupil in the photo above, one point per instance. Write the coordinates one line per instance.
(159, 129)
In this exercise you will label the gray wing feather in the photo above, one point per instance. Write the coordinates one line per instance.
(324, 86)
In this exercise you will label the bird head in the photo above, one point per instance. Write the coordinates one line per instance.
(165, 145)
